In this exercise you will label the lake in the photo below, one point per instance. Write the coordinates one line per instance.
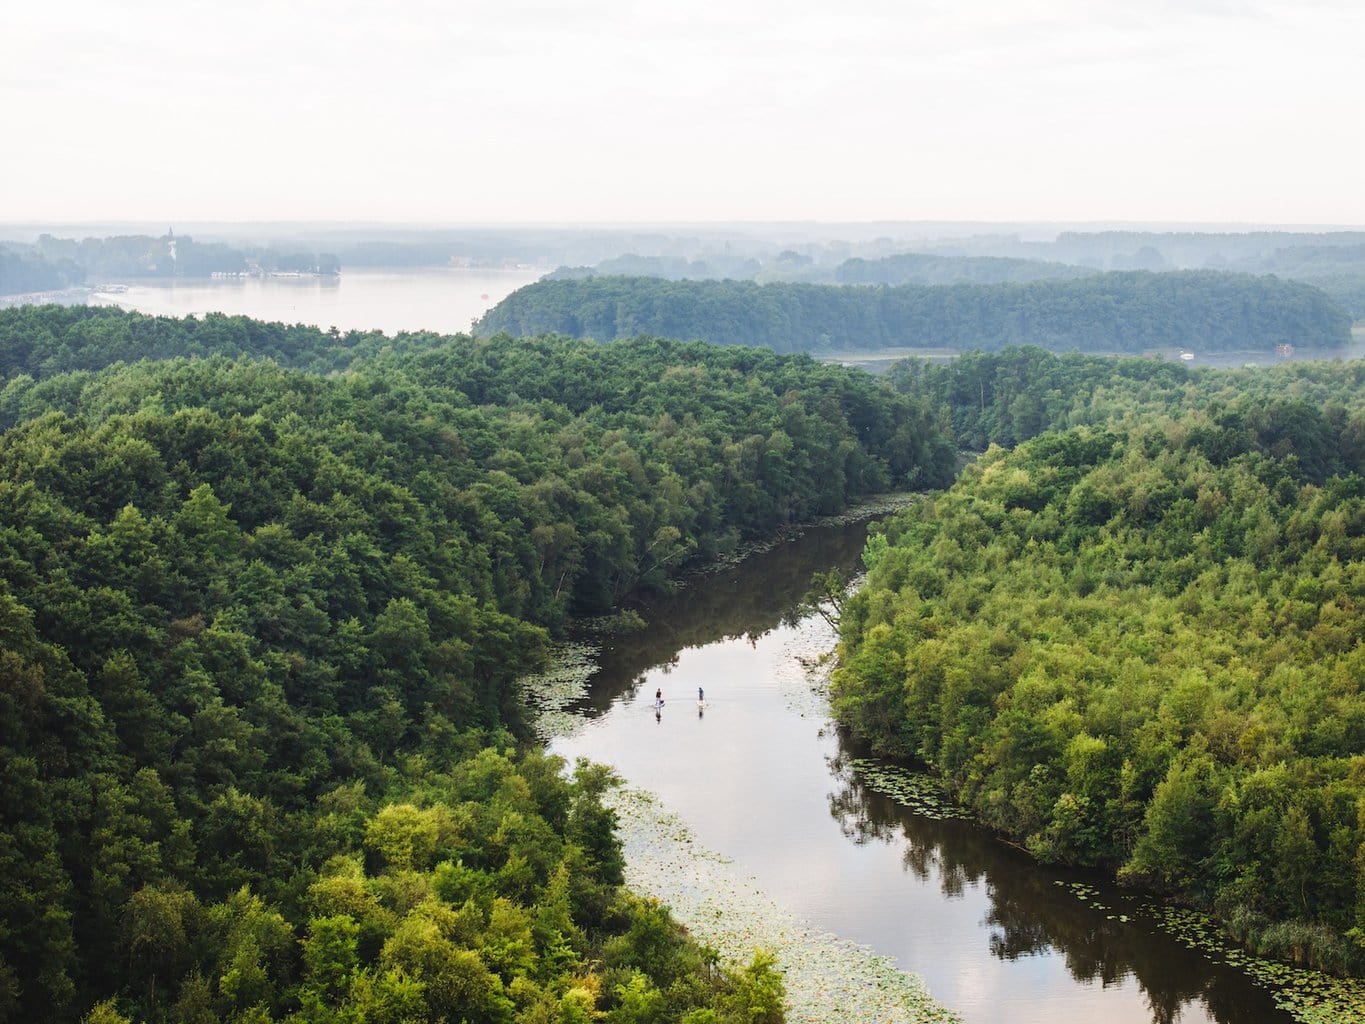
(443, 299)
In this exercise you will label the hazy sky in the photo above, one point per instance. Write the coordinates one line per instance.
(517, 110)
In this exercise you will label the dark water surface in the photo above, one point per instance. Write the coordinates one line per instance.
(762, 778)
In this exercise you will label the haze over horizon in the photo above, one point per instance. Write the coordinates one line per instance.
(1220, 111)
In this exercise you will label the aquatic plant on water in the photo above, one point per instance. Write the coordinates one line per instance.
(826, 978)
(923, 794)
(550, 693)
(1307, 995)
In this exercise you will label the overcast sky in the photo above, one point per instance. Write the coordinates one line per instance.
(604, 110)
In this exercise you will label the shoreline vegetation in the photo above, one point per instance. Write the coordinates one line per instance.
(1140, 649)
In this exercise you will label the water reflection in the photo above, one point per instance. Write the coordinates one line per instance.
(1031, 914)
(743, 602)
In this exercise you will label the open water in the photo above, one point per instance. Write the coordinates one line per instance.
(442, 299)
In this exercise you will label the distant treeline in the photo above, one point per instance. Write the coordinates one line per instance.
(25, 272)
(672, 268)
(1331, 260)
(1339, 270)
(1186, 248)
(926, 268)
(1114, 312)
(41, 341)
(61, 262)
(788, 266)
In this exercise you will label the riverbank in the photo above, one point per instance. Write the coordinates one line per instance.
(827, 978)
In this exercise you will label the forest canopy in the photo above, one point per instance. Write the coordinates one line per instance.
(1140, 644)
(260, 629)
(1312, 409)
(1114, 312)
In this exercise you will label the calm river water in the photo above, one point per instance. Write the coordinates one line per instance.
(763, 778)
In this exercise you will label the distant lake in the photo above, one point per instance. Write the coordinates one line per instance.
(443, 299)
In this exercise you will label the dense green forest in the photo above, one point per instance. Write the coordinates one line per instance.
(1311, 408)
(1115, 312)
(1140, 645)
(264, 591)
(42, 341)
(259, 753)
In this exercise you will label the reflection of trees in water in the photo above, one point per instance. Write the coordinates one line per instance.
(1030, 915)
(746, 601)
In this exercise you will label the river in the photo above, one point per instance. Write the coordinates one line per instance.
(761, 776)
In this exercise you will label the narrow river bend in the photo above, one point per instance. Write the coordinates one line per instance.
(761, 776)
